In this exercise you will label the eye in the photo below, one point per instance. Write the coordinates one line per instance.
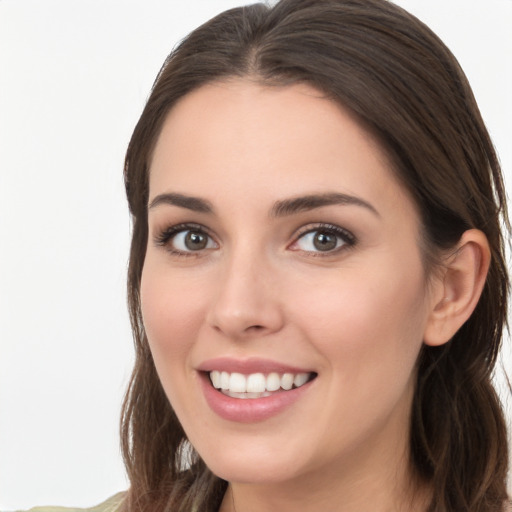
(183, 239)
(324, 239)
(190, 240)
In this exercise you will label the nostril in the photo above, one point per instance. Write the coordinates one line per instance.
(255, 328)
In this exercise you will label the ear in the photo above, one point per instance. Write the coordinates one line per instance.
(457, 291)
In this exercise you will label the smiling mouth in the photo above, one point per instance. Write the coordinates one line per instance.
(257, 385)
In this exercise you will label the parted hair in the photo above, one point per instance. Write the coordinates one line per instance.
(407, 88)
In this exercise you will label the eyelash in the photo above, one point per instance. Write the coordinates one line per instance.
(347, 238)
(164, 238)
(168, 234)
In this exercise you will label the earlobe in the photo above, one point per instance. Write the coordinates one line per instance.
(459, 287)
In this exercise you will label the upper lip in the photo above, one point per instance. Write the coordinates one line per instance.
(248, 366)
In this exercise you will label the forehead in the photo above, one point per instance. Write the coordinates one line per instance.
(239, 136)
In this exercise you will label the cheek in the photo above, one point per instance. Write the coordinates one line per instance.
(369, 336)
(368, 324)
(171, 314)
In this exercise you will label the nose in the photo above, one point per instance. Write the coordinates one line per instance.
(247, 300)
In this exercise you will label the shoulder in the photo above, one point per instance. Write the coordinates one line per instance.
(113, 504)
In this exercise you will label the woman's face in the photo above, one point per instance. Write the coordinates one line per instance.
(282, 253)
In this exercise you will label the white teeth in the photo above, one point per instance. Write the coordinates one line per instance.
(237, 383)
(273, 381)
(256, 385)
(246, 395)
(300, 379)
(224, 380)
(287, 381)
(215, 376)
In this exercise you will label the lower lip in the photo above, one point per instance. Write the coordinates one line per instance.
(249, 410)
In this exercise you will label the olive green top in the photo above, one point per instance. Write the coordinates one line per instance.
(113, 504)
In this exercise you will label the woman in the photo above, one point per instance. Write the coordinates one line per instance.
(317, 282)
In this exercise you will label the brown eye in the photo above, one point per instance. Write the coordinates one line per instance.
(325, 241)
(188, 240)
(195, 241)
(320, 241)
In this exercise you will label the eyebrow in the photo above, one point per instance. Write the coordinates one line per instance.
(196, 204)
(281, 208)
(310, 202)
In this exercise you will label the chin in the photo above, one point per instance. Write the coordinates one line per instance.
(253, 472)
(255, 464)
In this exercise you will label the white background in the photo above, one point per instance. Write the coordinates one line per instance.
(74, 75)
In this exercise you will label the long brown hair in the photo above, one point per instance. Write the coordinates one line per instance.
(406, 87)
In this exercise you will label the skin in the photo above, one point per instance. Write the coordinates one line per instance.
(356, 315)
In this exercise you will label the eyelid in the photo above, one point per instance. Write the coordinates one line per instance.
(347, 237)
(166, 235)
